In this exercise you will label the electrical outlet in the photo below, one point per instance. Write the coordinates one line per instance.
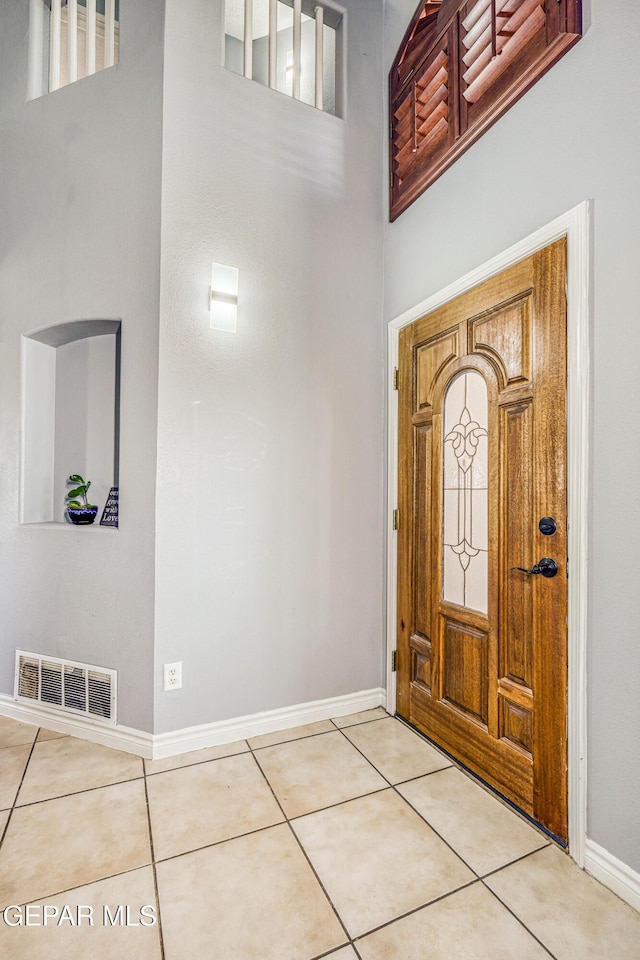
(173, 676)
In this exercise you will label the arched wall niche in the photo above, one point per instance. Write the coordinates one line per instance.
(70, 415)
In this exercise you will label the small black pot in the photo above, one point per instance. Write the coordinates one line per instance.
(82, 514)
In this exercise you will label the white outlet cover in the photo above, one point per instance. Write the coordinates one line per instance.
(173, 676)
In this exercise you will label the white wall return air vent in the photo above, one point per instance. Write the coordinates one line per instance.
(66, 685)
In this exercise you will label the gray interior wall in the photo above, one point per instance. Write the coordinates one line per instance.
(234, 54)
(39, 431)
(269, 522)
(574, 136)
(80, 199)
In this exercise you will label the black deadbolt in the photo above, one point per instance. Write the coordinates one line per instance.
(548, 526)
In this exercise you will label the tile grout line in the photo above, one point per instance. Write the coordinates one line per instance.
(478, 877)
(60, 893)
(439, 835)
(185, 766)
(218, 843)
(360, 723)
(515, 915)
(356, 951)
(422, 906)
(327, 954)
(421, 776)
(334, 950)
(15, 799)
(153, 863)
(394, 787)
(308, 736)
(74, 793)
(478, 781)
(510, 863)
(352, 941)
(303, 851)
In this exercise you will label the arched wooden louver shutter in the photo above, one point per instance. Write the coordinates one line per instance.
(493, 40)
(422, 125)
(460, 66)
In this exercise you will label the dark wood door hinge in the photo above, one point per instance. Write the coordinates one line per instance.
(395, 519)
(396, 378)
(394, 661)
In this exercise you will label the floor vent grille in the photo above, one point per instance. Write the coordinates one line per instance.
(77, 688)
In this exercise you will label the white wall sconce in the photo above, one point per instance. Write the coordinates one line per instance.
(223, 301)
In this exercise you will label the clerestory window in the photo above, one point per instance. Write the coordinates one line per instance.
(294, 46)
(71, 39)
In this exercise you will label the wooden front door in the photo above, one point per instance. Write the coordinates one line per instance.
(482, 644)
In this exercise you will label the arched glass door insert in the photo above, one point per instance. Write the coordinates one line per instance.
(465, 492)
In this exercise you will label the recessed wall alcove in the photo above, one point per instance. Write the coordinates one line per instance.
(70, 416)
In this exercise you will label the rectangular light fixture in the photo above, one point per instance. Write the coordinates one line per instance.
(223, 302)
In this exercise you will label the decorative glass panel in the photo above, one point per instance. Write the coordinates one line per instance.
(465, 500)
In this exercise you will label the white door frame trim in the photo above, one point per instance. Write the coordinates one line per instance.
(576, 226)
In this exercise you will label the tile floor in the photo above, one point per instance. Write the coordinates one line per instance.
(347, 839)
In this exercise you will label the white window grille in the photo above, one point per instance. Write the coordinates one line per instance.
(71, 39)
(294, 46)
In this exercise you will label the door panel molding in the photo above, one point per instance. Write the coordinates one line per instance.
(575, 224)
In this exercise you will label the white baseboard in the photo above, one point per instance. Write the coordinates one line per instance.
(613, 873)
(191, 738)
(241, 728)
(83, 727)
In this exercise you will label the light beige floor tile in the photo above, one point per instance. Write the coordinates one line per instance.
(468, 925)
(195, 756)
(203, 804)
(13, 760)
(344, 953)
(378, 713)
(377, 859)
(485, 833)
(60, 939)
(570, 912)
(317, 772)
(49, 734)
(397, 752)
(68, 765)
(293, 733)
(252, 898)
(4, 816)
(59, 844)
(14, 732)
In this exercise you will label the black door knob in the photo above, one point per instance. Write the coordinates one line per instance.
(545, 567)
